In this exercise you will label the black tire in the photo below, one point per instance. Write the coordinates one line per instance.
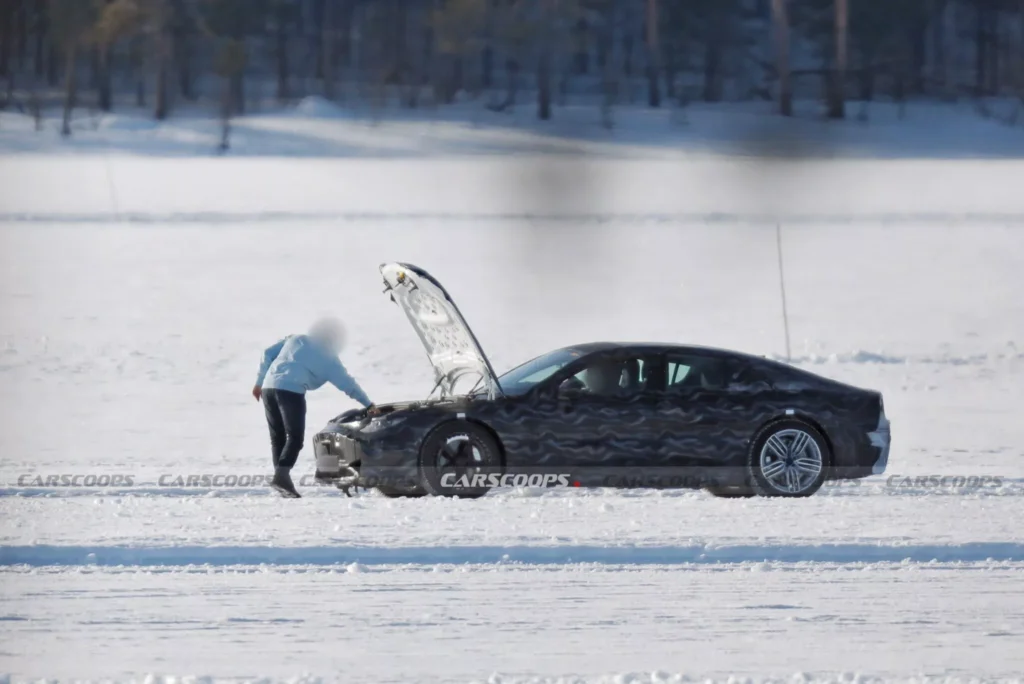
(399, 493)
(724, 492)
(458, 448)
(785, 431)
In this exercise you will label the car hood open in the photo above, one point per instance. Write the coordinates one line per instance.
(451, 346)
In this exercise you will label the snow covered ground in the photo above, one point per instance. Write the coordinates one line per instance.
(137, 290)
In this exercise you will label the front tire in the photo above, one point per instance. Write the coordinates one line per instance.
(788, 458)
(397, 493)
(454, 456)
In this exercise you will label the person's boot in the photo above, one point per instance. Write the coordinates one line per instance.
(282, 483)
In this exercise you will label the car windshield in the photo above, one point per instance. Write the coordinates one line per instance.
(522, 378)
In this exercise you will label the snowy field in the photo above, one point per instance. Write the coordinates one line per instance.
(138, 290)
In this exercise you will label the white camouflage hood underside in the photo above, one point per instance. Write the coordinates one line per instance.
(451, 346)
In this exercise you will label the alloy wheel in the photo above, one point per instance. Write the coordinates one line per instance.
(791, 460)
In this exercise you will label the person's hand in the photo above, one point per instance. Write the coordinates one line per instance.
(372, 410)
(257, 392)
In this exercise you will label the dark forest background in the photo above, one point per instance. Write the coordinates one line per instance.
(236, 55)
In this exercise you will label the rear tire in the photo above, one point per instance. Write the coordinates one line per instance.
(453, 454)
(723, 492)
(788, 458)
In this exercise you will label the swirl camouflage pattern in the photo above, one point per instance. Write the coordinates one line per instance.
(601, 414)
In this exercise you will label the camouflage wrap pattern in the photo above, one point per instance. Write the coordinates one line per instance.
(650, 439)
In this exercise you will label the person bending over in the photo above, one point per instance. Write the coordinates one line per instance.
(289, 369)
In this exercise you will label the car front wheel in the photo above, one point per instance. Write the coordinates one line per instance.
(788, 458)
(456, 460)
(400, 493)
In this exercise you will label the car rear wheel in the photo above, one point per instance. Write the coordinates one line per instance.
(456, 458)
(788, 458)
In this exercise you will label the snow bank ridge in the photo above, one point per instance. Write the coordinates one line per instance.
(865, 357)
(655, 677)
(356, 559)
(568, 216)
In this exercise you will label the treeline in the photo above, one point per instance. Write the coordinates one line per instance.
(414, 53)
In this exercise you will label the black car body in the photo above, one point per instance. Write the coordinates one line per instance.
(601, 414)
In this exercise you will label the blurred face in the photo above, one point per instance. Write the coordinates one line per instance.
(329, 333)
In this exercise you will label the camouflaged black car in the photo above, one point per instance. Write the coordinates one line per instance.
(601, 414)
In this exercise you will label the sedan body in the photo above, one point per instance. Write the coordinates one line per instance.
(603, 414)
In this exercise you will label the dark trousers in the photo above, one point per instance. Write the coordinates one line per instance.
(286, 417)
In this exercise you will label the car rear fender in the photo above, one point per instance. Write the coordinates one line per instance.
(790, 414)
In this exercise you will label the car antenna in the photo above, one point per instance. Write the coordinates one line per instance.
(782, 288)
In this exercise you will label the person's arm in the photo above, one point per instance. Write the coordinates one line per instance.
(269, 354)
(339, 376)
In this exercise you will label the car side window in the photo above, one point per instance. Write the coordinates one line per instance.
(614, 377)
(686, 372)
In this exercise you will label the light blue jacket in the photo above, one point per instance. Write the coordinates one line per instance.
(299, 363)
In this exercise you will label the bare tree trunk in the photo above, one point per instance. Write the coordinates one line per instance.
(980, 48)
(183, 59)
(487, 53)
(993, 49)
(21, 33)
(780, 19)
(487, 67)
(226, 107)
(544, 65)
(238, 92)
(712, 66)
(6, 35)
(918, 51)
(35, 108)
(281, 46)
(160, 105)
(938, 39)
(512, 73)
(342, 49)
(866, 78)
(94, 67)
(609, 81)
(103, 90)
(627, 55)
(581, 54)
(42, 26)
(70, 83)
(837, 94)
(653, 55)
(327, 44)
(671, 70)
(544, 84)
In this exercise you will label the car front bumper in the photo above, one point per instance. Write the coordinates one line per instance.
(349, 458)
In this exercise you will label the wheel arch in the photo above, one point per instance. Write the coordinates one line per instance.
(472, 421)
(494, 435)
(795, 414)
